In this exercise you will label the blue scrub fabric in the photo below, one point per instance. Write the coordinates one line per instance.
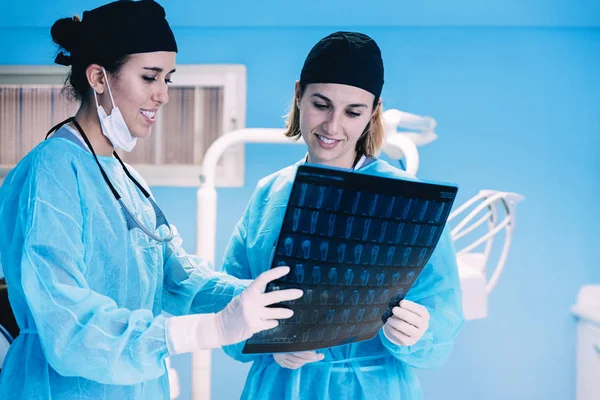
(87, 293)
(374, 369)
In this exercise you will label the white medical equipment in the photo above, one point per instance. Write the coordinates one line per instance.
(5, 342)
(415, 131)
(6, 322)
(587, 311)
(404, 132)
(173, 380)
(484, 216)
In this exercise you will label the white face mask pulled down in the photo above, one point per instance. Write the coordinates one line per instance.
(113, 125)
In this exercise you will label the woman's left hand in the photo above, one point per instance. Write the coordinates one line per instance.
(408, 323)
(297, 360)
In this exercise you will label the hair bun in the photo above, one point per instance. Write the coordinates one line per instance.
(65, 32)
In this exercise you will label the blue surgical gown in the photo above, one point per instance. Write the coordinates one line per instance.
(375, 369)
(88, 295)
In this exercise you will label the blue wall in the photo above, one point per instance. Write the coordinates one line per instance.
(232, 13)
(514, 87)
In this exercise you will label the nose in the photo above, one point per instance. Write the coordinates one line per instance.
(333, 124)
(161, 95)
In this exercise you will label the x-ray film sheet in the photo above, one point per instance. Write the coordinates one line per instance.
(355, 244)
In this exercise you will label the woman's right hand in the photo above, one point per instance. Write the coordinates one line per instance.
(249, 312)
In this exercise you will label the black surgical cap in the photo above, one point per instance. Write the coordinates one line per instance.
(348, 58)
(118, 29)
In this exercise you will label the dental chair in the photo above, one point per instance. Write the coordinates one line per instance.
(8, 326)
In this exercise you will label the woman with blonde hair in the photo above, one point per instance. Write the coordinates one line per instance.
(337, 111)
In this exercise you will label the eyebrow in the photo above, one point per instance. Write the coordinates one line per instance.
(326, 99)
(158, 69)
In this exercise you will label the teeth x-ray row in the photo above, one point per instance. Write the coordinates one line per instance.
(348, 227)
(326, 335)
(308, 275)
(341, 201)
(344, 296)
(301, 249)
(355, 313)
(314, 316)
(355, 245)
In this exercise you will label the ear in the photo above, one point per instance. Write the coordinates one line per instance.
(377, 108)
(96, 78)
(297, 94)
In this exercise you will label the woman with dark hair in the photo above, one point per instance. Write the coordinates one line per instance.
(90, 260)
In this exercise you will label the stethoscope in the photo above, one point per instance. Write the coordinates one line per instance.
(130, 218)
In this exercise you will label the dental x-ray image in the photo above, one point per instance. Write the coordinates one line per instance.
(355, 245)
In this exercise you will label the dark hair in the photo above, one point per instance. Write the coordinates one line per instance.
(65, 33)
(107, 35)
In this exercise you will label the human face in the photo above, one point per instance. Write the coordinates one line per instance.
(332, 119)
(140, 88)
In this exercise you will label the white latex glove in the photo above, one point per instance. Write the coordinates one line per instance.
(246, 314)
(297, 360)
(408, 323)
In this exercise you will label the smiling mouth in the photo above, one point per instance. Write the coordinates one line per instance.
(148, 114)
(326, 140)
